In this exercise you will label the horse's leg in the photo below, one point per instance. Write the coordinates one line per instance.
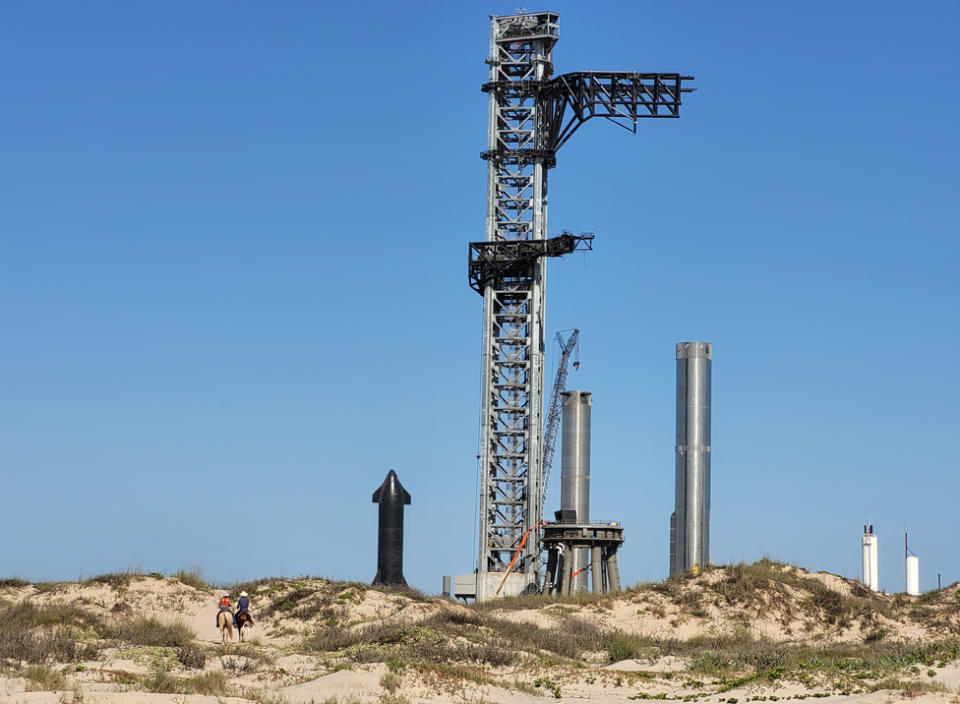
(224, 627)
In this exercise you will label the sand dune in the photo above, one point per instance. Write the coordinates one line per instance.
(762, 632)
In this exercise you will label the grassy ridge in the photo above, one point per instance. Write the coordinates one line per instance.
(475, 643)
(65, 632)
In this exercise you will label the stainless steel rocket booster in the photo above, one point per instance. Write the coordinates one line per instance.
(575, 473)
(690, 522)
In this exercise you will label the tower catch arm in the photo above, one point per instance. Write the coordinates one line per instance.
(613, 95)
(494, 261)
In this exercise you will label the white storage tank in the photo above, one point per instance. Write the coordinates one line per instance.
(911, 567)
(870, 576)
(913, 575)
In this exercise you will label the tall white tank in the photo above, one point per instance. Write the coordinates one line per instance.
(913, 575)
(870, 576)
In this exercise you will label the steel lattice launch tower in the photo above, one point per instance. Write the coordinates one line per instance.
(690, 522)
(531, 115)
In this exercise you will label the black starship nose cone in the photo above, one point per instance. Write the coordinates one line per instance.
(392, 497)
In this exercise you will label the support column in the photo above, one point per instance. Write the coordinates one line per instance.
(612, 572)
(552, 560)
(605, 571)
(567, 570)
(597, 569)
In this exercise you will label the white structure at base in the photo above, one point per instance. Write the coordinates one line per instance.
(913, 575)
(869, 574)
(481, 587)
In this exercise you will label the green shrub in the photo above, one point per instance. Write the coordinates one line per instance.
(192, 657)
(621, 647)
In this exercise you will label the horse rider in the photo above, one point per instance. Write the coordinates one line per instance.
(243, 605)
(225, 606)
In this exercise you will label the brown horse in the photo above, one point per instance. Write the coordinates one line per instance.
(225, 624)
(243, 621)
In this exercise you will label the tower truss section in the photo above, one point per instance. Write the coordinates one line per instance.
(521, 47)
(531, 115)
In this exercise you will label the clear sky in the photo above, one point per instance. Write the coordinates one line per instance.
(233, 291)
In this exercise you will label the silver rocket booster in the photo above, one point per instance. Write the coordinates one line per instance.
(575, 472)
(690, 522)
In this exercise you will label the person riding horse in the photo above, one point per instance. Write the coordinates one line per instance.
(243, 619)
(225, 606)
(243, 605)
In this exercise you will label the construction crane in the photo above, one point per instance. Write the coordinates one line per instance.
(553, 417)
(532, 113)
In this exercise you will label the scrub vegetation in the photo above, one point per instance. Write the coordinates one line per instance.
(821, 635)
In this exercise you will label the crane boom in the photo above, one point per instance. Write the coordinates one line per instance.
(553, 418)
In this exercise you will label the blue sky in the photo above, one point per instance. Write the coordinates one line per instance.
(233, 283)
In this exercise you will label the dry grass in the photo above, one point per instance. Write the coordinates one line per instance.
(151, 631)
(64, 632)
(737, 653)
(209, 683)
(192, 657)
(289, 601)
(257, 587)
(400, 590)
(27, 615)
(411, 644)
(13, 583)
(539, 601)
(391, 681)
(305, 598)
(192, 577)
(21, 645)
(462, 645)
(117, 580)
(908, 688)
(774, 586)
(458, 637)
(43, 678)
(477, 636)
(54, 632)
